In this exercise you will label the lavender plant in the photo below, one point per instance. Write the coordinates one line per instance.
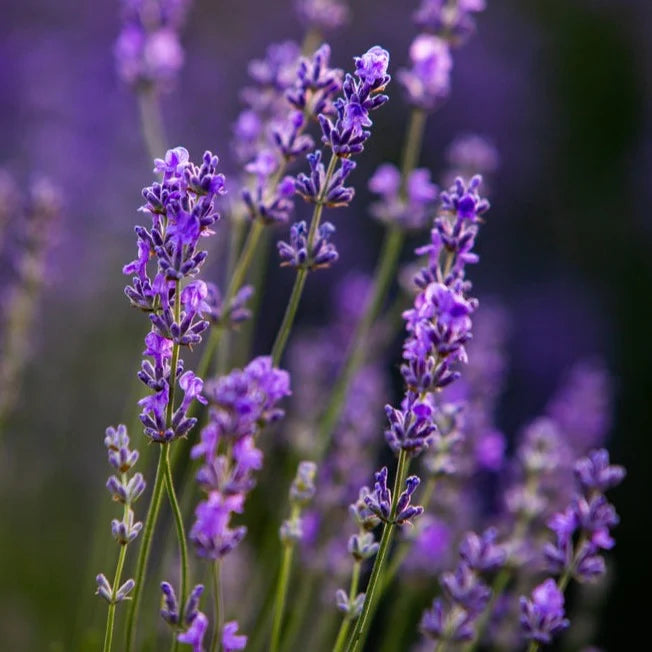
(502, 576)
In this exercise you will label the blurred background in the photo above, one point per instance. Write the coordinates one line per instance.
(561, 89)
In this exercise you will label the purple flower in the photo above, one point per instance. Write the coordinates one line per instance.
(211, 533)
(315, 189)
(322, 15)
(316, 84)
(194, 635)
(299, 255)
(427, 82)
(372, 67)
(410, 209)
(385, 181)
(450, 20)
(596, 474)
(246, 399)
(481, 552)
(464, 201)
(542, 616)
(454, 625)
(346, 134)
(463, 587)
(380, 501)
(230, 640)
(148, 51)
(411, 428)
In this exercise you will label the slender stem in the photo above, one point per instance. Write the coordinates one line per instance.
(218, 601)
(302, 606)
(108, 635)
(163, 473)
(151, 122)
(300, 280)
(412, 146)
(290, 313)
(364, 621)
(346, 623)
(181, 533)
(145, 547)
(281, 594)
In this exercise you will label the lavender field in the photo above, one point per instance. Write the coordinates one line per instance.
(324, 325)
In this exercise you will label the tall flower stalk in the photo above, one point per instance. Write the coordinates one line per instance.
(182, 210)
(344, 127)
(124, 490)
(405, 194)
(438, 327)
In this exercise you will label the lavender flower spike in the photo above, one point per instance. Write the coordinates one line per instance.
(542, 616)
(380, 501)
(230, 640)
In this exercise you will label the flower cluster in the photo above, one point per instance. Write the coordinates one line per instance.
(298, 89)
(452, 19)
(379, 501)
(542, 616)
(582, 532)
(409, 208)
(301, 493)
(182, 210)
(241, 404)
(29, 224)
(453, 619)
(439, 324)
(126, 491)
(445, 23)
(300, 255)
(344, 124)
(322, 15)
(582, 529)
(193, 622)
(148, 51)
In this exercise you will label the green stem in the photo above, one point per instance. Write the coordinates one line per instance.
(375, 581)
(346, 623)
(296, 615)
(108, 635)
(151, 122)
(163, 473)
(281, 594)
(219, 611)
(288, 318)
(413, 143)
(181, 533)
(145, 547)
(300, 280)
